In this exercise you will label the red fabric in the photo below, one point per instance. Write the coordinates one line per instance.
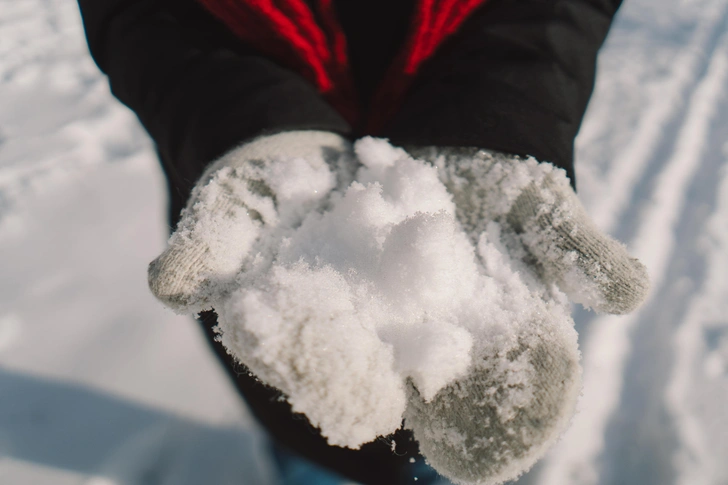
(287, 31)
(434, 22)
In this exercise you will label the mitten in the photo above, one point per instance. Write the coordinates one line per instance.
(519, 395)
(497, 421)
(272, 181)
(546, 224)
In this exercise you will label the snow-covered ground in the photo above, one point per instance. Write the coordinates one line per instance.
(100, 385)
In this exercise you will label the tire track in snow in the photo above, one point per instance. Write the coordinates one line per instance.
(698, 390)
(635, 167)
(58, 119)
(576, 459)
(641, 436)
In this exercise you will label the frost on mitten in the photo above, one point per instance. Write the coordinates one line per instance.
(268, 183)
(494, 424)
(547, 223)
(520, 391)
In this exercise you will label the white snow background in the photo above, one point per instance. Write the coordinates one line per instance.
(101, 385)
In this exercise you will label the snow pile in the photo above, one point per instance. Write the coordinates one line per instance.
(341, 308)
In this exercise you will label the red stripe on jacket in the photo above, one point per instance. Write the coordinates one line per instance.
(287, 31)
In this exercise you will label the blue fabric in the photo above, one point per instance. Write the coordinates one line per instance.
(420, 473)
(294, 469)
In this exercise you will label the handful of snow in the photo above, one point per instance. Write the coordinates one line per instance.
(342, 308)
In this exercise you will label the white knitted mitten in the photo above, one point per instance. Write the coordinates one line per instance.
(494, 423)
(464, 431)
(546, 223)
(269, 182)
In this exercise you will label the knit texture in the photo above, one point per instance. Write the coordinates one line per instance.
(544, 222)
(493, 424)
(259, 183)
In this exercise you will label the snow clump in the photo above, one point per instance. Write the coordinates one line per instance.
(346, 308)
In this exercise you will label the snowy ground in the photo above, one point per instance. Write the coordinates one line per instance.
(100, 385)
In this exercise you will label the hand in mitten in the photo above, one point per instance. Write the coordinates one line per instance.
(518, 396)
(237, 204)
(546, 224)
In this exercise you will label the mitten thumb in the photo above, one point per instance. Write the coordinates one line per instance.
(258, 186)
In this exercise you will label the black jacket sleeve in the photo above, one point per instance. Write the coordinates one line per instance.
(517, 78)
(197, 90)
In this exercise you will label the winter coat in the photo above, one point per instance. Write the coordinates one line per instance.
(205, 76)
